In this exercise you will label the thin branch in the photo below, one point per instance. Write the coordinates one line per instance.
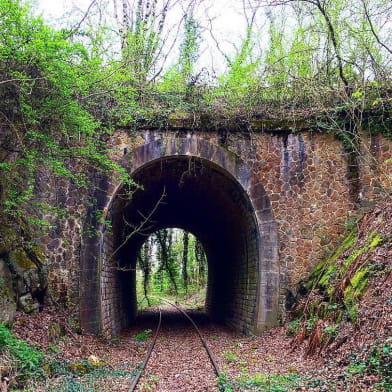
(20, 80)
(77, 26)
(330, 28)
(141, 225)
(372, 28)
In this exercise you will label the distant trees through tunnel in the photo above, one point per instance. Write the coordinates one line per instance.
(171, 263)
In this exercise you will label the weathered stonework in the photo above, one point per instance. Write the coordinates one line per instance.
(7, 294)
(375, 173)
(293, 191)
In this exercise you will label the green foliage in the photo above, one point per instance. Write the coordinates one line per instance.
(239, 85)
(189, 49)
(61, 95)
(357, 286)
(377, 362)
(293, 327)
(332, 331)
(259, 381)
(149, 384)
(143, 336)
(28, 359)
(80, 376)
(51, 124)
(330, 271)
(311, 322)
(326, 269)
(275, 62)
(178, 87)
(163, 273)
(230, 356)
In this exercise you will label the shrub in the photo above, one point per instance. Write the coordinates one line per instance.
(27, 360)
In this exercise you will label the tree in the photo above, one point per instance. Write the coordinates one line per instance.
(201, 261)
(50, 92)
(185, 260)
(167, 261)
(144, 261)
(176, 262)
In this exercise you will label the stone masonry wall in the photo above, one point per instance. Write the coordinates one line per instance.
(306, 178)
(375, 174)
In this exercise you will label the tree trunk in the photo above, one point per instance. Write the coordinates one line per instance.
(165, 239)
(200, 257)
(145, 265)
(185, 260)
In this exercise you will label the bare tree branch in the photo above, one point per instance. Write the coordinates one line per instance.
(139, 228)
(20, 80)
(77, 26)
(372, 28)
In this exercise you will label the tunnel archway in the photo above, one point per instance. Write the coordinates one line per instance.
(199, 187)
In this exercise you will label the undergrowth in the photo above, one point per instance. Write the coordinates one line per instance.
(142, 336)
(378, 361)
(23, 367)
(19, 361)
(334, 291)
(275, 383)
(81, 376)
(259, 382)
(345, 306)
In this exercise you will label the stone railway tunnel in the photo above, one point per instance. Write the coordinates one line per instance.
(266, 207)
(199, 187)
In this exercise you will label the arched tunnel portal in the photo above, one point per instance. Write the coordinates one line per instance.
(218, 201)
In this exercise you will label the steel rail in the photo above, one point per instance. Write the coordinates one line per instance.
(135, 380)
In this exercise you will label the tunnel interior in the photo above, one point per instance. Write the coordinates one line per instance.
(198, 196)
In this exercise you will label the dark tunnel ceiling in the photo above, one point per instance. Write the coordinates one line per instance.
(200, 198)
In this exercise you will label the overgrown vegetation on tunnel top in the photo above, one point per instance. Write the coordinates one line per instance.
(63, 92)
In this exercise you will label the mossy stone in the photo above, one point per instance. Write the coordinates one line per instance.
(79, 368)
(19, 258)
(358, 285)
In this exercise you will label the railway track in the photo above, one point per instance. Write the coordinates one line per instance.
(140, 372)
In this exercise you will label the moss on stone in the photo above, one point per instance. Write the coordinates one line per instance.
(19, 258)
(375, 241)
(358, 285)
(330, 270)
(39, 252)
(329, 275)
(326, 270)
(79, 368)
(372, 241)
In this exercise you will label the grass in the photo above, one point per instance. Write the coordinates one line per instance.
(260, 382)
